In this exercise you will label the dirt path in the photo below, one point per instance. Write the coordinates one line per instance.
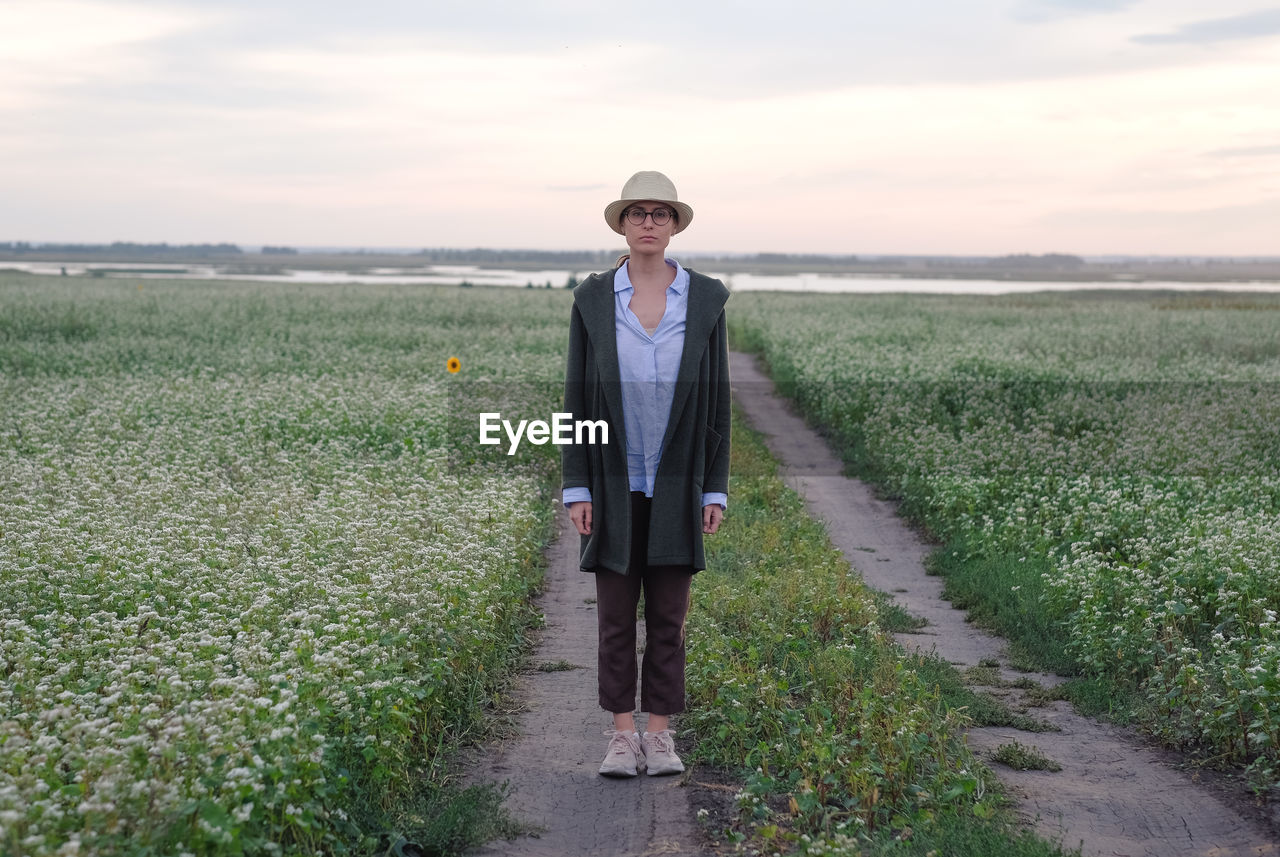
(552, 764)
(1113, 796)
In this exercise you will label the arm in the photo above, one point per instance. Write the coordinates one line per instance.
(716, 483)
(575, 468)
(719, 414)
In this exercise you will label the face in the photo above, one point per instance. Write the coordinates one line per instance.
(648, 237)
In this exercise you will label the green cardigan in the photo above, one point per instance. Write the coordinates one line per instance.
(695, 457)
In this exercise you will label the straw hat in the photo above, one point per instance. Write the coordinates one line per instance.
(647, 185)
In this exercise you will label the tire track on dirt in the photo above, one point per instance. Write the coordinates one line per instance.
(552, 765)
(1114, 796)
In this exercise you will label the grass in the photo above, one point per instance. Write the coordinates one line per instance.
(1004, 594)
(450, 821)
(556, 666)
(843, 744)
(1020, 757)
(981, 708)
(248, 559)
(251, 600)
(1101, 470)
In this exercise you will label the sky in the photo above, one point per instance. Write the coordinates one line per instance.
(918, 127)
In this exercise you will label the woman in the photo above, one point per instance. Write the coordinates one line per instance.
(648, 354)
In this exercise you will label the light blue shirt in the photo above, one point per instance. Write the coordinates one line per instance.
(648, 365)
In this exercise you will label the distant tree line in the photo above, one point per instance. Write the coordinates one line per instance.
(576, 259)
(1054, 261)
(780, 258)
(1018, 261)
(483, 256)
(124, 248)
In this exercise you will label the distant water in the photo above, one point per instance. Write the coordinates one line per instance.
(448, 275)
(454, 274)
(881, 284)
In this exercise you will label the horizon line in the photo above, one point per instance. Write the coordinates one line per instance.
(8, 248)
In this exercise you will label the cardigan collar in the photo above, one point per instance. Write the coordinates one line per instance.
(595, 301)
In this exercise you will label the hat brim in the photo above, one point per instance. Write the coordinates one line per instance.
(613, 213)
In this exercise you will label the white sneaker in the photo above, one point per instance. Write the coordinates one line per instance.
(625, 757)
(660, 753)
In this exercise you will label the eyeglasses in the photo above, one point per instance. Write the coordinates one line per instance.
(636, 216)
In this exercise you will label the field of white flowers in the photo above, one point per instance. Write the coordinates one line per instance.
(1122, 451)
(248, 592)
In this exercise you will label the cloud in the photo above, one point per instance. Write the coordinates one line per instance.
(1249, 219)
(1037, 11)
(399, 122)
(575, 188)
(1244, 152)
(1251, 25)
(751, 49)
(56, 30)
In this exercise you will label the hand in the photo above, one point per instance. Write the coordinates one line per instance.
(580, 514)
(712, 515)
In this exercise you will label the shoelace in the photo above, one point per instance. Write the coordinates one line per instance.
(662, 741)
(619, 742)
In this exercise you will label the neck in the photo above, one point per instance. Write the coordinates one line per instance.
(647, 266)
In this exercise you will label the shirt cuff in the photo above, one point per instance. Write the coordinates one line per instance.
(576, 495)
(714, 497)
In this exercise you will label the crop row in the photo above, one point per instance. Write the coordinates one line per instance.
(248, 588)
(845, 745)
(1120, 454)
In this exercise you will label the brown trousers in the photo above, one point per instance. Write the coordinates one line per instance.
(666, 604)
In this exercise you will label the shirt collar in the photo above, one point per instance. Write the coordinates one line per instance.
(622, 278)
